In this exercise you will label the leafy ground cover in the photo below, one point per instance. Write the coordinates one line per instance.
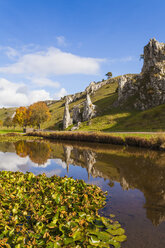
(37, 211)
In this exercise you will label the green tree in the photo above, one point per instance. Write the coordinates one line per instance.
(8, 122)
(109, 74)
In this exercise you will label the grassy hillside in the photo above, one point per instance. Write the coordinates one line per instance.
(5, 112)
(109, 118)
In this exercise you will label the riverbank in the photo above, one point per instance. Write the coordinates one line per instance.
(150, 141)
(14, 137)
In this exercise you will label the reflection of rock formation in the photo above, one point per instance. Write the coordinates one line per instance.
(135, 169)
(133, 172)
(67, 155)
(90, 160)
(124, 184)
(157, 216)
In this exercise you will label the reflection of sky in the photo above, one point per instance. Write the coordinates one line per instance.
(12, 162)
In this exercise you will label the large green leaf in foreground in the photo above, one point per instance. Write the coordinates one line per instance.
(37, 211)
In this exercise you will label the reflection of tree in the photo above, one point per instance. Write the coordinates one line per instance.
(38, 152)
(21, 149)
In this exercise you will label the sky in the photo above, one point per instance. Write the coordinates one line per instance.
(51, 48)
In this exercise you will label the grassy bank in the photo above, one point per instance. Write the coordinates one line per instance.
(150, 141)
(14, 137)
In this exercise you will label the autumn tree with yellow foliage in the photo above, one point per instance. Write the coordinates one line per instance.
(38, 113)
(21, 117)
(34, 115)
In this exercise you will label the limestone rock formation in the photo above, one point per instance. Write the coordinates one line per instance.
(74, 97)
(89, 110)
(154, 53)
(76, 114)
(126, 88)
(76, 126)
(93, 86)
(147, 88)
(67, 120)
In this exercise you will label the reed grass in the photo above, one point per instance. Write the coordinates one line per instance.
(156, 142)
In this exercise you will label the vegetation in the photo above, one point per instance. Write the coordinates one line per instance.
(21, 117)
(34, 115)
(155, 142)
(14, 137)
(109, 74)
(38, 113)
(8, 122)
(37, 211)
(109, 118)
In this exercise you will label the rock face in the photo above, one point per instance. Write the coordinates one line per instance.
(126, 87)
(93, 86)
(89, 109)
(77, 117)
(67, 120)
(154, 53)
(91, 89)
(147, 88)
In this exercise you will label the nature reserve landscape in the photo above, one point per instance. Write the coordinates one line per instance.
(82, 124)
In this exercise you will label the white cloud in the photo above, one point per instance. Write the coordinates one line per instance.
(45, 82)
(10, 52)
(14, 94)
(60, 162)
(61, 41)
(53, 62)
(60, 94)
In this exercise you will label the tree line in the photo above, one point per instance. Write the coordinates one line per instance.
(33, 116)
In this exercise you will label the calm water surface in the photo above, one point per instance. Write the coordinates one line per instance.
(134, 179)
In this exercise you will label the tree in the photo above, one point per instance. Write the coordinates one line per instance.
(141, 56)
(109, 74)
(38, 113)
(21, 116)
(7, 122)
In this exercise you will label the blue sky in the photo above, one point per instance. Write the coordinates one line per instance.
(49, 48)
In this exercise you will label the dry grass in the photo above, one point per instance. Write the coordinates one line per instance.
(154, 142)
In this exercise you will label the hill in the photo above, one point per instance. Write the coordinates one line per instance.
(109, 117)
(133, 102)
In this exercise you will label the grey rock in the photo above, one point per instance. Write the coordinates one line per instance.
(147, 88)
(89, 110)
(77, 117)
(76, 127)
(67, 120)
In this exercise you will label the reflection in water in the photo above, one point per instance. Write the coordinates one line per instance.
(131, 168)
(38, 152)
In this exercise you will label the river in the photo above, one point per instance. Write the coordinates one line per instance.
(134, 179)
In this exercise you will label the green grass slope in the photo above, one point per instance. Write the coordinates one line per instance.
(109, 117)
